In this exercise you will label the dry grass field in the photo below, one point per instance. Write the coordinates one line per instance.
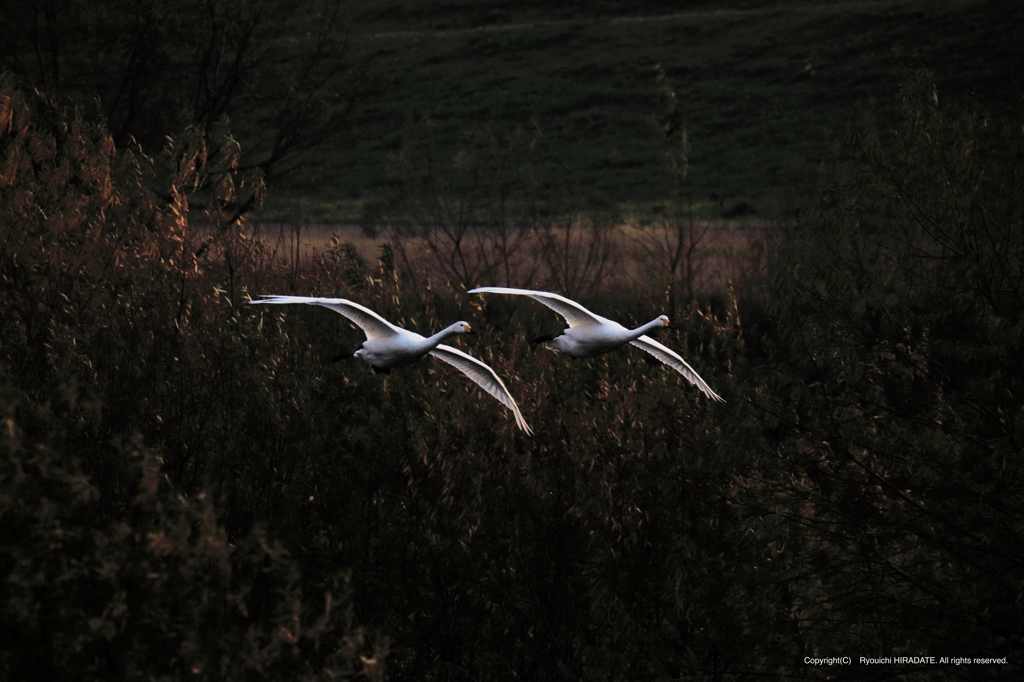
(727, 253)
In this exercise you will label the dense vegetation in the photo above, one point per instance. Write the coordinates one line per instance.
(188, 490)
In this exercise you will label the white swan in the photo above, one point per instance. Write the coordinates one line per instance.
(388, 346)
(589, 334)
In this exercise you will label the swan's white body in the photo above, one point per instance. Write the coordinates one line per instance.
(388, 346)
(590, 334)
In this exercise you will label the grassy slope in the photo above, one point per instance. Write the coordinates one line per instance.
(761, 82)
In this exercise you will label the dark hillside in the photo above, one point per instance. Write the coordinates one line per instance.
(762, 84)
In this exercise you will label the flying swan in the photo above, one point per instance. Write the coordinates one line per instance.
(589, 334)
(388, 346)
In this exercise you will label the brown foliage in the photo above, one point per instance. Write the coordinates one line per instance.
(110, 569)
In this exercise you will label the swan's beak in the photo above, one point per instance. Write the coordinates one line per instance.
(668, 324)
(469, 330)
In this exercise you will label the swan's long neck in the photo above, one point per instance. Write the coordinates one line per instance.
(653, 325)
(432, 342)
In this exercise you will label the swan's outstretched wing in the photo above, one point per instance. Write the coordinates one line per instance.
(483, 375)
(372, 324)
(575, 314)
(670, 358)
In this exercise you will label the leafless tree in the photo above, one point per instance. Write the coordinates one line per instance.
(673, 245)
(578, 254)
(278, 73)
(466, 207)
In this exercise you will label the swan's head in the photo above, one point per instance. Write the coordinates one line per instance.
(663, 319)
(463, 328)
